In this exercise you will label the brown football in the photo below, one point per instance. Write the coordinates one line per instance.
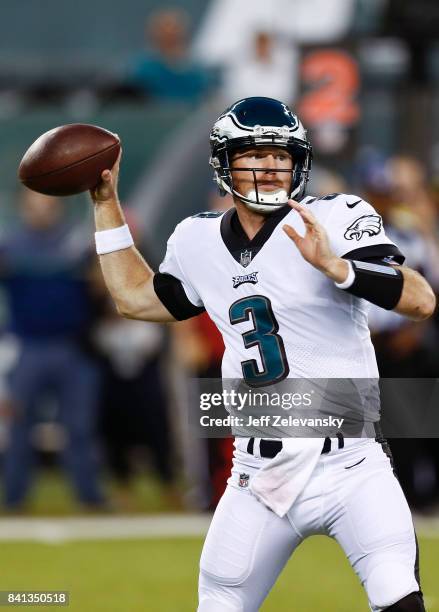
(68, 159)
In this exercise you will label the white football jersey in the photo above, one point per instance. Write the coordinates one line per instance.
(278, 315)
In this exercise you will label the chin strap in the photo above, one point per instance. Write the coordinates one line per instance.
(278, 197)
(264, 208)
(263, 203)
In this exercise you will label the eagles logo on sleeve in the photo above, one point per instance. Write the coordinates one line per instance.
(367, 224)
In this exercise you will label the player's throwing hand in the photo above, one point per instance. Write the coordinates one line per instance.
(107, 188)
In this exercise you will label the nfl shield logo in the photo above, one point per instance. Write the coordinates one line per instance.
(243, 480)
(246, 257)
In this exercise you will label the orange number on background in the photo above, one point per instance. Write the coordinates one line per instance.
(335, 76)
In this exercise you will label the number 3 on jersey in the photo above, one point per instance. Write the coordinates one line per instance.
(263, 335)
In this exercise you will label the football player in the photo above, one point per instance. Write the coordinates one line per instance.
(287, 279)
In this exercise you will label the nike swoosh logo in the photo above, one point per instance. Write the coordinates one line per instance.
(353, 205)
(358, 463)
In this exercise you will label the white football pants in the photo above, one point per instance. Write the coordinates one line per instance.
(352, 496)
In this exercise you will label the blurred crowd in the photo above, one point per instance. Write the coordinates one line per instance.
(220, 51)
(101, 395)
(71, 362)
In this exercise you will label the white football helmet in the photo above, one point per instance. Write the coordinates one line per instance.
(260, 122)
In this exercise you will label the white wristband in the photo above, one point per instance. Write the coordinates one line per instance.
(349, 279)
(116, 239)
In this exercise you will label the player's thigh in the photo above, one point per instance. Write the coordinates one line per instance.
(245, 550)
(375, 529)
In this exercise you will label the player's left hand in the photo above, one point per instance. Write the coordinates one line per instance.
(314, 245)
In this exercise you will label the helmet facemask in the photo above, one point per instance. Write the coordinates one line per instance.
(257, 199)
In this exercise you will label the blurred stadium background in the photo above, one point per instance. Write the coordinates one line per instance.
(106, 492)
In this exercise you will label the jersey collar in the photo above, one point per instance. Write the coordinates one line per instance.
(236, 240)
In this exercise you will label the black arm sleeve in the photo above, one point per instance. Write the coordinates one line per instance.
(376, 279)
(170, 292)
(377, 283)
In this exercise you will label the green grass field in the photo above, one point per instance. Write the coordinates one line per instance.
(160, 575)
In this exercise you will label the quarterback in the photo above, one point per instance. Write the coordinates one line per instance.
(287, 278)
